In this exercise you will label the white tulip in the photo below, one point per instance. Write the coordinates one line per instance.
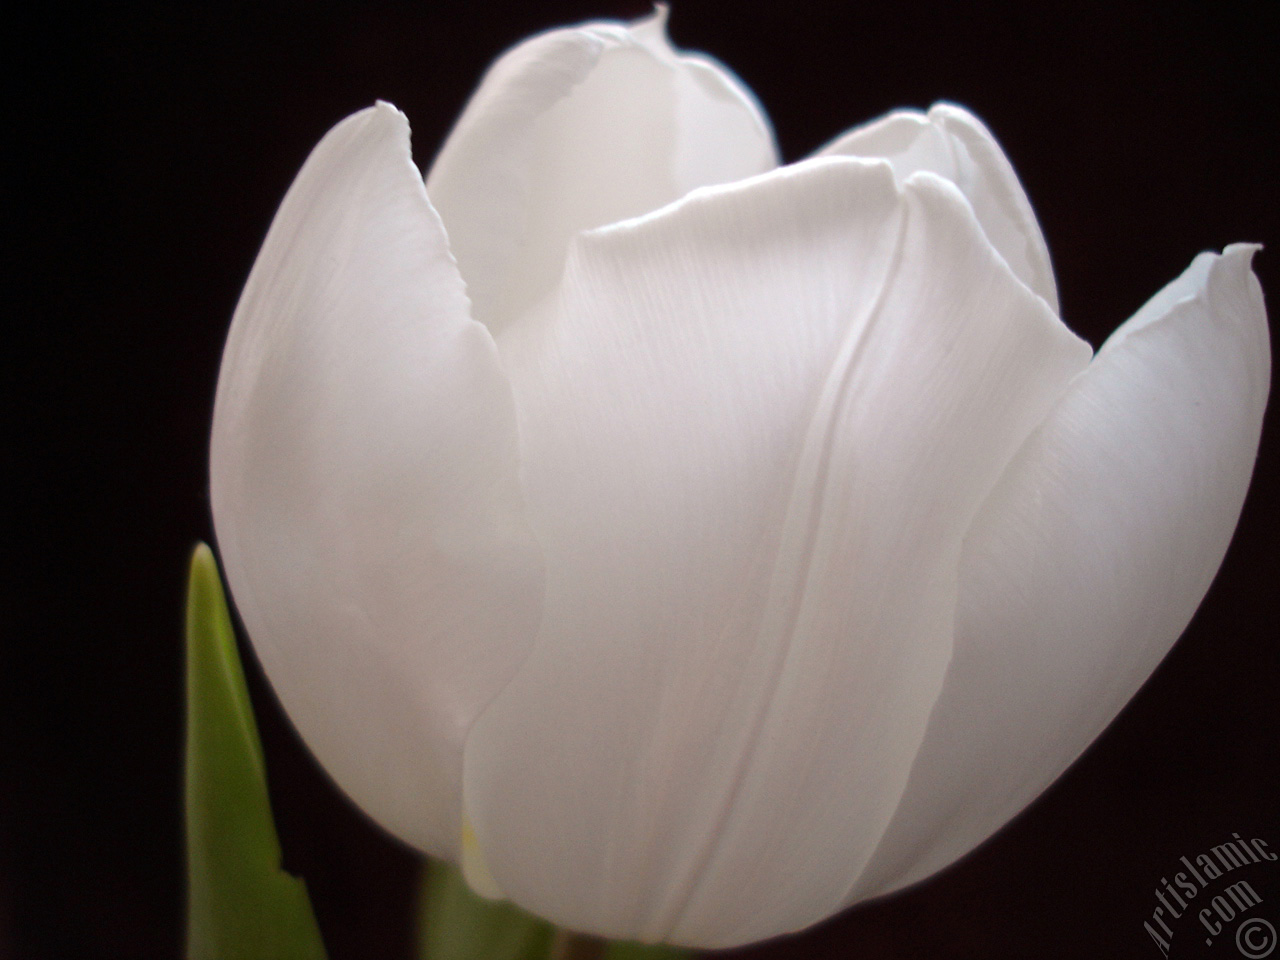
(711, 544)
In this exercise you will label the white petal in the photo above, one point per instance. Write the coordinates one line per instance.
(364, 483)
(755, 427)
(954, 144)
(574, 129)
(1089, 559)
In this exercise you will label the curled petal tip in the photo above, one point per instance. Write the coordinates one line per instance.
(1242, 251)
(1237, 262)
(651, 30)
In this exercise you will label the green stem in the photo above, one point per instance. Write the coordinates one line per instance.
(576, 946)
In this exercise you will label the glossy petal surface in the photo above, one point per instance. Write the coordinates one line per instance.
(734, 419)
(578, 128)
(364, 483)
(1088, 560)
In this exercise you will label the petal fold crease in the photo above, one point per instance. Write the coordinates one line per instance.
(755, 426)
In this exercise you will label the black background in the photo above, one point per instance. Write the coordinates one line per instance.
(152, 146)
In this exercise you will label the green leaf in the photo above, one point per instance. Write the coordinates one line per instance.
(241, 904)
(460, 925)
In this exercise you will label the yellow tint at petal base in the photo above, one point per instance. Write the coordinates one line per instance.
(474, 867)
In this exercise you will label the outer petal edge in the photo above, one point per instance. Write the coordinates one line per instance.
(1088, 560)
(363, 473)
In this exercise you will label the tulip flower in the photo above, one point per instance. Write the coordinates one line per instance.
(691, 546)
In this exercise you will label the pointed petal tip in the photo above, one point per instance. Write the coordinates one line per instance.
(950, 110)
(949, 115)
(953, 143)
(1234, 292)
(386, 117)
(649, 123)
(379, 123)
(1245, 246)
(380, 111)
(1236, 261)
(1209, 276)
(933, 189)
(650, 32)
